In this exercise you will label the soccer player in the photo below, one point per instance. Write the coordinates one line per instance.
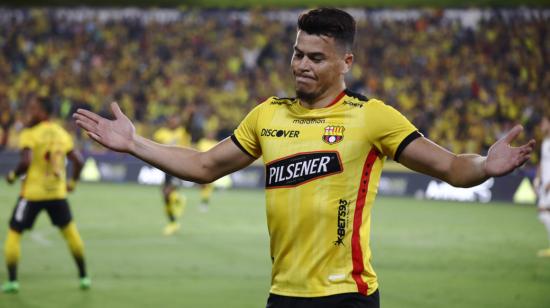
(542, 182)
(174, 204)
(3, 136)
(44, 146)
(323, 151)
(205, 144)
(5, 123)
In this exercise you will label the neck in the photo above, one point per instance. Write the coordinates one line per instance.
(324, 99)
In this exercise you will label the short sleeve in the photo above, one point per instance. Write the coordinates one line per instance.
(245, 136)
(389, 131)
(25, 139)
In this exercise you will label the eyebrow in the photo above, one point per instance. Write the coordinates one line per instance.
(310, 54)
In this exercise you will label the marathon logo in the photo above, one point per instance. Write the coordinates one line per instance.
(302, 168)
(279, 133)
(309, 121)
(333, 134)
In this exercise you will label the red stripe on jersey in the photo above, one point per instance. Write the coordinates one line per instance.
(356, 251)
(337, 99)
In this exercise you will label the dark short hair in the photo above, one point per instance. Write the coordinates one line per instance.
(46, 104)
(330, 22)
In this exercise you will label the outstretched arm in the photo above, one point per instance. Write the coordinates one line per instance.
(186, 163)
(466, 170)
(78, 162)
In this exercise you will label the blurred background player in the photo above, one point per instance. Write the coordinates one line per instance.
(206, 143)
(174, 204)
(542, 181)
(44, 146)
(3, 136)
(6, 119)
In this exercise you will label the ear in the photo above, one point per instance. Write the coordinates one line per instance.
(348, 61)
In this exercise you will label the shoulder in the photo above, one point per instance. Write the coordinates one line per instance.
(275, 102)
(26, 133)
(270, 105)
(356, 96)
(355, 100)
(159, 132)
(57, 128)
(378, 113)
(375, 105)
(60, 128)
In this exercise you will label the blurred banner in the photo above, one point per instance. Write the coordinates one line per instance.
(395, 181)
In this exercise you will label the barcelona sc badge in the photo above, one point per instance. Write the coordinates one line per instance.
(333, 134)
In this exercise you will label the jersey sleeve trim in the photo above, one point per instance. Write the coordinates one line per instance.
(238, 144)
(356, 95)
(412, 136)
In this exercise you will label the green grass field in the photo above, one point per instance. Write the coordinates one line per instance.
(427, 254)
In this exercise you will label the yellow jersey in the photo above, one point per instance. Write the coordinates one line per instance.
(46, 176)
(178, 136)
(323, 167)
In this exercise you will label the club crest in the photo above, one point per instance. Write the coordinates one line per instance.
(333, 134)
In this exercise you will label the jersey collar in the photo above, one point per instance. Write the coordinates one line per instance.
(334, 102)
(336, 99)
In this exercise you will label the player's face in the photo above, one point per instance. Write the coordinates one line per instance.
(34, 112)
(318, 65)
(173, 122)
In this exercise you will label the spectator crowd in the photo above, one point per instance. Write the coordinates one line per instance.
(463, 85)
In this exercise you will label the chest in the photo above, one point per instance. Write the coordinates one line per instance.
(286, 134)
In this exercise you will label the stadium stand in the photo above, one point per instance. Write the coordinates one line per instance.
(463, 77)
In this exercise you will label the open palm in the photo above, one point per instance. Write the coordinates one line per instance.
(117, 134)
(502, 158)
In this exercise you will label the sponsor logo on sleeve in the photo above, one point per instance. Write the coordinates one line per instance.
(333, 134)
(302, 168)
(354, 104)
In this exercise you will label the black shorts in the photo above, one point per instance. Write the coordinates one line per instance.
(25, 213)
(345, 300)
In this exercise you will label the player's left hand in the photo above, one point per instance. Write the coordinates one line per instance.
(547, 188)
(71, 184)
(503, 158)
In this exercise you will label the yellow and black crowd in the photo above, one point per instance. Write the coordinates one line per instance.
(463, 84)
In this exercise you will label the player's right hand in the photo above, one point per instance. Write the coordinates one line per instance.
(117, 134)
